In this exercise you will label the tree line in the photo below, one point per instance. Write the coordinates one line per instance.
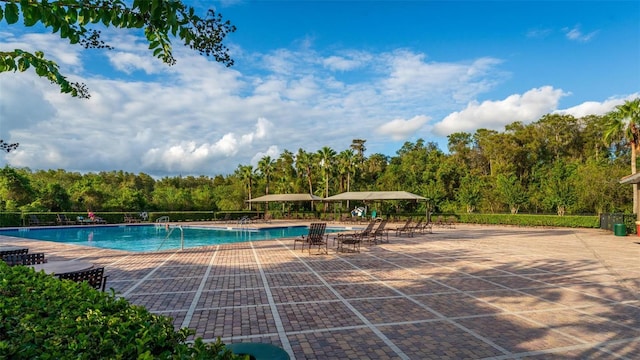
(559, 164)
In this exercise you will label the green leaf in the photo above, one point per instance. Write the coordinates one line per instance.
(11, 13)
(115, 19)
(23, 64)
(31, 15)
(72, 15)
(106, 18)
(64, 31)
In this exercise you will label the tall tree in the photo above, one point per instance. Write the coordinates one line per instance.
(624, 125)
(304, 165)
(511, 191)
(357, 145)
(245, 173)
(346, 165)
(265, 166)
(469, 193)
(327, 157)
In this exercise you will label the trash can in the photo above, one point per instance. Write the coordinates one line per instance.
(638, 228)
(619, 230)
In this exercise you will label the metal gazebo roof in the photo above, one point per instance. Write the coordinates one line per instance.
(375, 195)
(286, 198)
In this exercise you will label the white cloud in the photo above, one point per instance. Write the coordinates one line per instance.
(596, 108)
(273, 151)
(575, 34)
(400, 129)
(539, 33)
(199, 117)
(525, 108)
(347, 61)
(129, 63)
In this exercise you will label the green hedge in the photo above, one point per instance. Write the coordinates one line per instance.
(592, 221)
(42, 317)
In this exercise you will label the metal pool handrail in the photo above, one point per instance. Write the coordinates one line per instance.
(171, 232)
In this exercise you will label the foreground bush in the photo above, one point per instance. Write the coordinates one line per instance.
(42, 317)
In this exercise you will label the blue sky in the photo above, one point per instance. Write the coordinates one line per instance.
(309, 74)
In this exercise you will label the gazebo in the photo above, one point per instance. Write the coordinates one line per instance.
(284, 198)
(376, 196)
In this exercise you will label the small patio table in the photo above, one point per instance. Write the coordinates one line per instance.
(62, 267)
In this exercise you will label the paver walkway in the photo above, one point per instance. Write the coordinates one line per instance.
(469, 292)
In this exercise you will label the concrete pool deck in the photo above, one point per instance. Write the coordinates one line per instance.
(465, 292)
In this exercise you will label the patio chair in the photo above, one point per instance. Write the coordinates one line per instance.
(353, 238)
(315, 237)
(4, 253)
(379, 232)
(418, 225)
(426, 227)
(128, 218)
(94, 277)
(451, 222)
(407, 228)
(24, 259)
(62, 219)
(35, 221)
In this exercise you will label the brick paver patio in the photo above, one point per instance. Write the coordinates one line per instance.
(469, 292)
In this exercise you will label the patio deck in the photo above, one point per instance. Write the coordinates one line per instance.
(469, 292)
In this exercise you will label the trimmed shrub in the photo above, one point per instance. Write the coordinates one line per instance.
(42, 317)
(531, 220)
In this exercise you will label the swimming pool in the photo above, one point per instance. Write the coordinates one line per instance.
(140, 238)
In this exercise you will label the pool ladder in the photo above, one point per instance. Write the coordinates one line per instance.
(171, 232)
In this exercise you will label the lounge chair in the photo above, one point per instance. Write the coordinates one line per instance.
(62, 219)
(35, 221)
(95, 277)
(379, 233)
(128, 218)
(426, 227)
(407, 228)
(417, 226)
(353, 237)
(4, 253)
(24, 259)
(451, 222)
(315, 237)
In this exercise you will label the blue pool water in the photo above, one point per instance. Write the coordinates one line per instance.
(152, 238)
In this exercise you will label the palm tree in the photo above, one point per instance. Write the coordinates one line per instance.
(327, 157)
(346, 167)
(624, 125)
(304, 166)
(357, 145)
(265, 166)
(246, 175)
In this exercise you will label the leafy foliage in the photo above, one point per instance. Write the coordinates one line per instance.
(486, 172)
(43, 317)
(72, 20)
